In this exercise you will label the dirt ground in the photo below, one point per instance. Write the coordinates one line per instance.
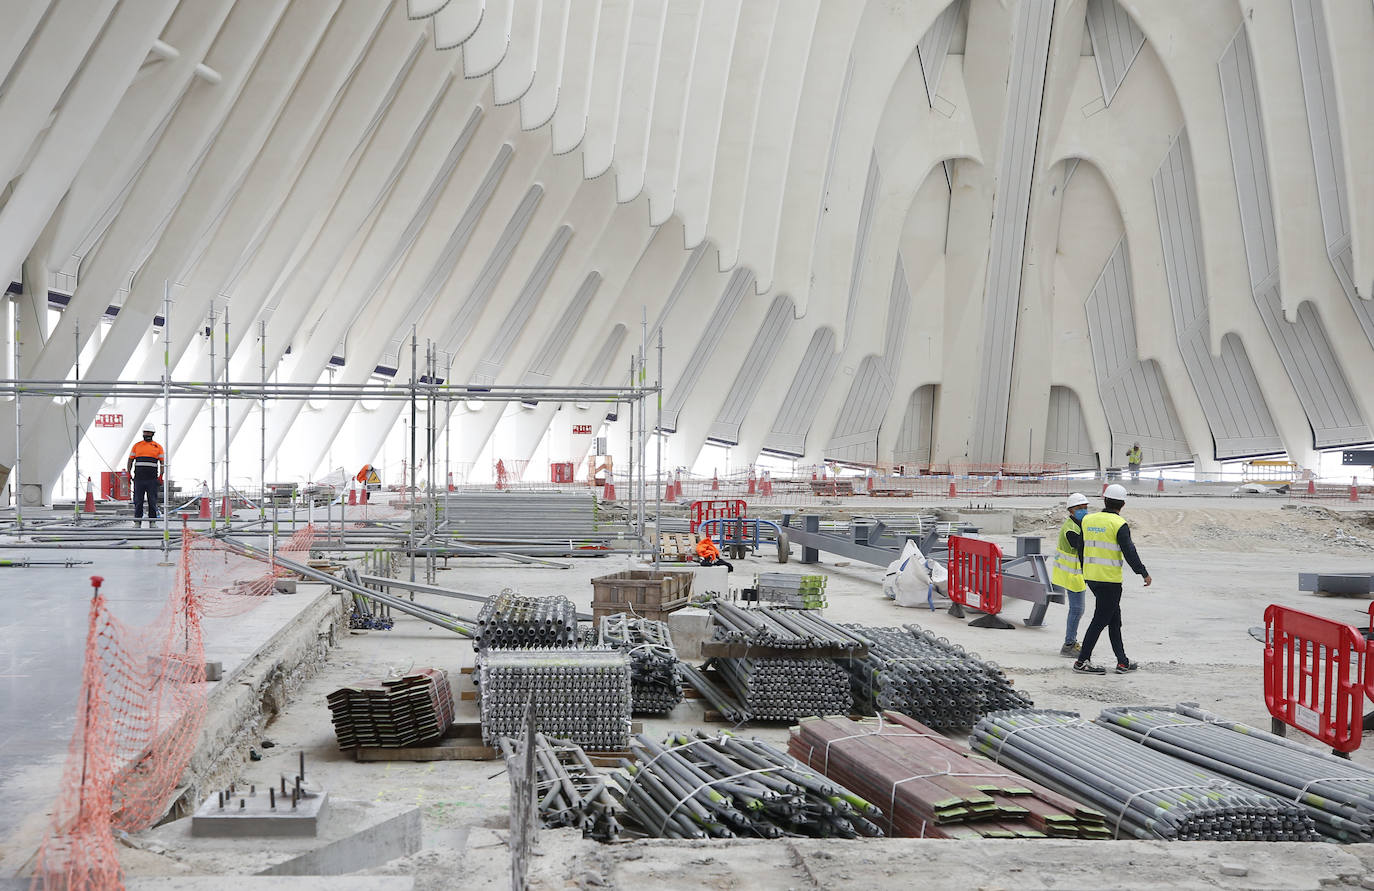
(1216, 567)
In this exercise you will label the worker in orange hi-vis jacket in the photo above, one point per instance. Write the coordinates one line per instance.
(146, 465)
(710, 554)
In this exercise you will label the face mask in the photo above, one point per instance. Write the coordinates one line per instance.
(1078, 515)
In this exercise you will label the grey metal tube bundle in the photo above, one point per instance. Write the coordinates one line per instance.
(1337, 794)
(654, 684)
(787, 689)
(581, 695)
(512, 621)
(778, 628)
(926, 678)
(569, 789)
(722, 786)
(1144, 793)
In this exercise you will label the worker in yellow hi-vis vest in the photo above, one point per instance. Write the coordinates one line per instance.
(1067, 572)
(1106, 545)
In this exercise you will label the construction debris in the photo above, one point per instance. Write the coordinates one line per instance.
(581, 695)
(1145, 793)
(930, 787)
(513, 621)
(1337, 794)
(724, 787)
(392, 713)
(654, 684)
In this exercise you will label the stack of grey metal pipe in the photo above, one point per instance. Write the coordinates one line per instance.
(724, 787)
(524, 517)
(511, 621)
(579, 694)
(654, 684)
(786, 689)
(569, 789)
(911, 671)
(1336, 793)
(785, 629)
(1144, 793)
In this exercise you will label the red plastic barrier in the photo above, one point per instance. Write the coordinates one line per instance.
(975, 568)
(1314, 675)
(730, 509)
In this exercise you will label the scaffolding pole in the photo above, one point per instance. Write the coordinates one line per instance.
(213, 481)
(166, 411)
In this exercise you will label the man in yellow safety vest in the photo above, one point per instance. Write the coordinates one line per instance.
(1067, 572)
(1134, 456)
(1106, 545)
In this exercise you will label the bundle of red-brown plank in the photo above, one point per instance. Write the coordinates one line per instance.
(929, 786)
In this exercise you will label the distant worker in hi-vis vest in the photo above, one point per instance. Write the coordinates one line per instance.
(1134, 456)
(1067, 572)
(1106, 545)
(147, 462)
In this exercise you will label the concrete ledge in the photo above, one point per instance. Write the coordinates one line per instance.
(251, 883)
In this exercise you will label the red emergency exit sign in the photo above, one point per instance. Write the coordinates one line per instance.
(108, 420)
(582, 429)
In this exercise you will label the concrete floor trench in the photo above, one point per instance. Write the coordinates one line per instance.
(1216, 563)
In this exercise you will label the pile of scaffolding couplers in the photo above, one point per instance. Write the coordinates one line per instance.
(569, 790)
(930, 786)
(791, 591)
(783, 629)
(785, 689)
(654, 685)
(1144, 793)
(911, 671)
(392, 713)
(725, 787)
(511, 621)
(1336, 793)
(582, 695)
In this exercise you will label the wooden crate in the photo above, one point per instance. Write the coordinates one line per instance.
(641, 592)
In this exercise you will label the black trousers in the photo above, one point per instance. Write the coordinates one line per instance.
(146, 489)
(718, 562)
(1106, 614)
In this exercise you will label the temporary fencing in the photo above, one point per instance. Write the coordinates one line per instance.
(140, 709)
(1316, 675)
(1144, 793)
(1337, 793)
(929, 787)
(975, 578)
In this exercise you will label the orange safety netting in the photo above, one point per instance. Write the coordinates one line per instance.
(140, 709)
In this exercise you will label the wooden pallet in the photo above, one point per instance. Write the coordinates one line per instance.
(463, 742)
(678, 547)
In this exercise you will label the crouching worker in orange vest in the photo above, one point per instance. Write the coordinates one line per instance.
(710, 554)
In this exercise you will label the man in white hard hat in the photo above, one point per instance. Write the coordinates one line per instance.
(146, 465)
(1067, 572)
(1106, 544)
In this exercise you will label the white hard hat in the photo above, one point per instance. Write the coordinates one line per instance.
(1077, 499)
(1116, 492)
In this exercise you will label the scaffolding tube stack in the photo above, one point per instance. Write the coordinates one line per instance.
(1337, 794)
(581, 695)
(784, 629)
(1144, 793)
(927, 678)
(786, 689)
(722, 786)
(654, 684)
(568, 788)
(513, 621)
(930, 787)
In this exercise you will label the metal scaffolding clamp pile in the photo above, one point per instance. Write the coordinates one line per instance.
(1145, 793)
(911, 671)
(578, 694)
(786, 689)
(724, 787)
(569, 789)
(930, 787)
(512, 621)
(393, 713)
(791, 590)
(1337, 794)
(654, 684)
(782, 629)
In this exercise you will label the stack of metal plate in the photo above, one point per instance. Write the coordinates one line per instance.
(393, 713)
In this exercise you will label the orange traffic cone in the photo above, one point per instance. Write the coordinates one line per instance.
(90, 497)
(204, 501)
(451, 486)
(1311, 487)
(715, 482)
(1159, 487)
(363, 498)
(677, 485)
(869, 483)
(997, 487)
(1354, 489)
(224, 507)
(813, 476)
(766, 485)
(753, 483)
(608, 492)
(1104, 488)
(352, 495)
